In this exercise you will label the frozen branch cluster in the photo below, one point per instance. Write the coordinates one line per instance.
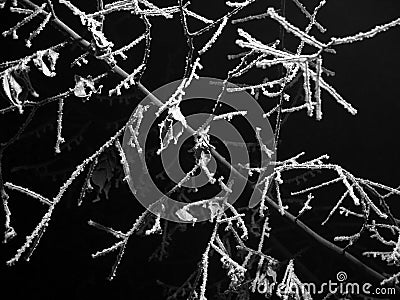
(361, 198)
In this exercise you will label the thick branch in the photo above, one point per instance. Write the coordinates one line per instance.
(116, 69)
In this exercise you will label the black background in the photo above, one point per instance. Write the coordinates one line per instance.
(367, 75)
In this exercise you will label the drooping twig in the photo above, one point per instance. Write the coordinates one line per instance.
(156, 101)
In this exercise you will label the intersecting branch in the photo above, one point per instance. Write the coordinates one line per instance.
(116, 69)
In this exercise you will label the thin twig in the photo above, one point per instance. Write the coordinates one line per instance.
(116, 69)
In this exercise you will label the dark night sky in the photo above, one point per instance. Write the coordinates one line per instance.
(367, 76)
